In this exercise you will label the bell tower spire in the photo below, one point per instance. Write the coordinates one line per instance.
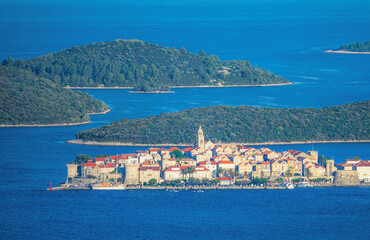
(200, 139)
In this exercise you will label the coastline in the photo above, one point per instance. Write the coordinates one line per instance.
(98, 87)
(231, 187)
(228, 86)
(55, 124)
(345, 52)
(79, 141)
(199, 86)
(152, 92)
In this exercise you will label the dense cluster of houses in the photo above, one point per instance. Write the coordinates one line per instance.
(206, 161)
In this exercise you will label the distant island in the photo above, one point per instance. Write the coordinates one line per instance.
(29, 100)
(243, 124)
(36, 92)
(144, 67)
(354, 48)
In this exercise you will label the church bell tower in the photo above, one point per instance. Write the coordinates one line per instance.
(200, 139)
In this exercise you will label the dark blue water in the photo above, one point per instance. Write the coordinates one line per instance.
(286, 37)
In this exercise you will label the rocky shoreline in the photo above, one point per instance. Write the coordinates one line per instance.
(151, 92)
(345, 52)
(201, 86)
(227, 86)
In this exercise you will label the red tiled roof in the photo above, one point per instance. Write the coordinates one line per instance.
(90, 164)
(174, 168)
(363, 164)
(129, 155)
(146, 163)
(140, 151)
(223, 178)
(201, 168)
(174, 148)
(225, 162)
(294, 152)
(109, 165)
(265, 163)
(188, 149)
(99, 159)
(341, 164)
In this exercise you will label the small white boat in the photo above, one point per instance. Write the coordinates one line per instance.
(304, 184)
(107, 186)
(287, 184)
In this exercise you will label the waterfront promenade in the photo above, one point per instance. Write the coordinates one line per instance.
(62, 188)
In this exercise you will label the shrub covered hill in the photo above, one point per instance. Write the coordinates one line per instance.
(241, 124)
(28, 99)
(356, 47)
(144, 66)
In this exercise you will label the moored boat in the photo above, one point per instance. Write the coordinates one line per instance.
(287, 184)
(304, 184)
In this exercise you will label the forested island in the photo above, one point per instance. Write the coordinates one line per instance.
(143, 66)
(32, 90)
(356, 47)
(353, 48)
(241, 124)
(31, 100)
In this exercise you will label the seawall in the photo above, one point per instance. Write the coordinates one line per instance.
(346, 178)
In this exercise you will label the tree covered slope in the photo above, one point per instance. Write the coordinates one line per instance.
(241, 125)
(145, 66)
(28, 99)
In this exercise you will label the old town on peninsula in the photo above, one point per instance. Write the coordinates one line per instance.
(209, 166)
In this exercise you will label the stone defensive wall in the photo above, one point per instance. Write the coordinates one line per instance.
(346, 178)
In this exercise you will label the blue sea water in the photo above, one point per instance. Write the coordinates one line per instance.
(285, 37)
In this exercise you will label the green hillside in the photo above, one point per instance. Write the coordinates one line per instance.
(241, 124)
(28, 99)
(145, 66)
